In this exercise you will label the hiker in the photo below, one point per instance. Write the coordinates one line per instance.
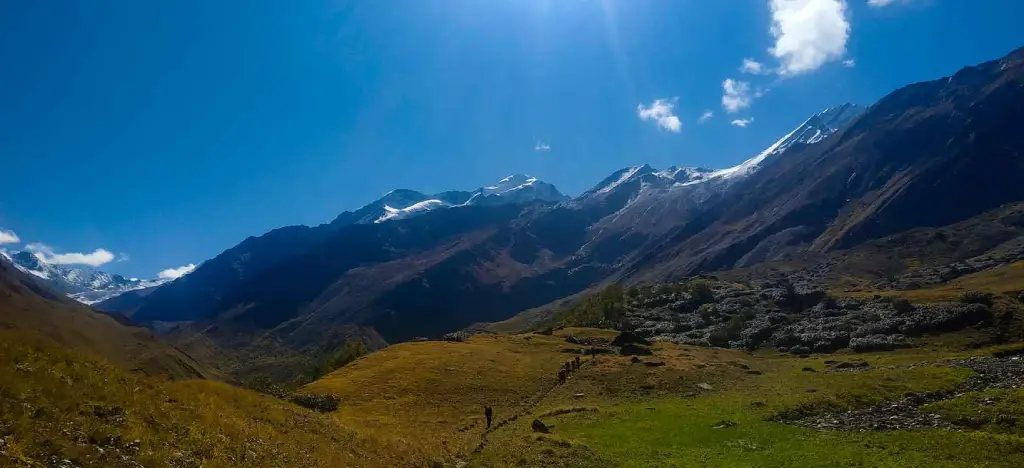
(561, 376)
(488, 413)
(577, 359)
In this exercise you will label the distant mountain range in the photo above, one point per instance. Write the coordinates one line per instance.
(83, 284)
(412, 264)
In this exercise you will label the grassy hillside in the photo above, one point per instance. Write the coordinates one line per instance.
(57, 405)
(29, 308)
(683, 406)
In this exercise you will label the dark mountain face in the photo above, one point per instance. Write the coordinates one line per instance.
(197, 294)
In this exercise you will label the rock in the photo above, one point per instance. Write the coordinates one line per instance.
(540, 427)
(754, 372)
(800, 350)
(723, 424)
(851, 365)
(635, 350)
(578, 395)
(627, 338)
(704, 386)
(634, 360)
(879, 343)
(808, 369)
(654, 363)
(458, 337)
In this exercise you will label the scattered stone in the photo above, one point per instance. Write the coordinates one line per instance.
(647, 387)
(654, 363)
(989, 373)
(635, 360)
(800, 350)
(457, 337)
(808, 369)
(578, 395)
(754, 372)
(705, 386)
(850, 365)
(879, 343)
(758, 404)
(540, 427)
(723, 424)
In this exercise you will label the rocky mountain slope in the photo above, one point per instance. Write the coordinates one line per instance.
(929, 154)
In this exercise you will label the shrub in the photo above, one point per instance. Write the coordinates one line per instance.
(976, 297)
(701, 292)
(321, 402)
(902, 305)
(351, 351)
(605, 309)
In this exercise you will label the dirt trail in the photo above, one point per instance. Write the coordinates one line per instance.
(527, 408)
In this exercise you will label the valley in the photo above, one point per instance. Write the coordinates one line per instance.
(852, 295)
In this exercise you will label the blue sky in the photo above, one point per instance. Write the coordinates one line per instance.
(164, 132)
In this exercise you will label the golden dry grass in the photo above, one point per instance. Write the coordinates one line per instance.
(58, 404)
(429, 397)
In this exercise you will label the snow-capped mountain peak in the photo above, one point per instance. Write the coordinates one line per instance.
(813, 130)
(86, 285)
(402, 203)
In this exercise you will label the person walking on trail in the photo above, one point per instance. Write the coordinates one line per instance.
(488, 413)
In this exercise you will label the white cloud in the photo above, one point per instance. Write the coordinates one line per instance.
(742, 123)
(660, 111)
(8, 237)
(175, 273)
(707, 115)
(541, 146)
(736, 95)
(808, 33)
(754, 67)
(46, 255)
(882, 3)
(849, 63)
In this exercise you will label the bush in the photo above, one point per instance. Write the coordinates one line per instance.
(321, 402)
(731, 331)
(829, 302)
(701, 292)
(604, 310)
(351, 351)
(976, 297)
(902, 306)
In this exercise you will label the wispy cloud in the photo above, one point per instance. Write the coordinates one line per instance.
(808, 33)
(46, 255)
(660, 111)
(736, 95)
(175, 273)
(707, 115)
(742, 123)
(882, 3)
(849, 63)
(8, 237)
(541, 146)
(754, 67)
